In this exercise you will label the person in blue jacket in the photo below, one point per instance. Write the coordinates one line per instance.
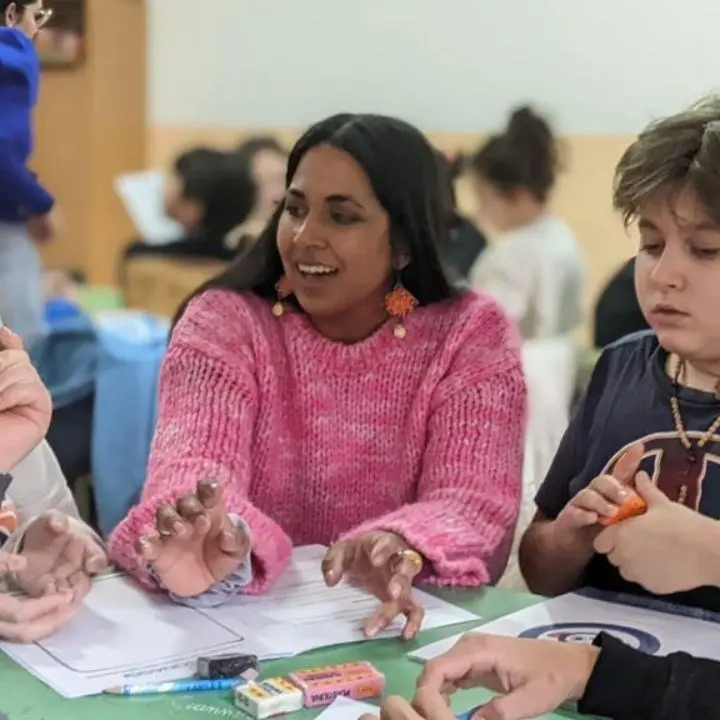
(25, 205)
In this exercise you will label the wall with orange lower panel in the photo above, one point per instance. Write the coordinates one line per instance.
(90, 127)
(583, 197)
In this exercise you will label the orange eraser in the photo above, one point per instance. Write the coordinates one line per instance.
(632, 507)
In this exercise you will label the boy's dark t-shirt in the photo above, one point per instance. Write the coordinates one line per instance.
(628, 401)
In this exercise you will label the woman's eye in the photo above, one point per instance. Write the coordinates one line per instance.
(651, 248)
(341, 218)
(293, 211)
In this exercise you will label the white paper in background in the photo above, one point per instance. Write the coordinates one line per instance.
(301, 613)
(142, 194)
(574, 618)
(344, 708)
(124, 635)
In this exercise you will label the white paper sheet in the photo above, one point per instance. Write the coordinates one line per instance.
(343, 708)
(142, 197)
(123, 635)
(301, 613)
(574, 618)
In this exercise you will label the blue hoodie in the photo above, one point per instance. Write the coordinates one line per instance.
(20, 193)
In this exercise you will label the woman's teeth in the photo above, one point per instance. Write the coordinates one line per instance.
(316, 270)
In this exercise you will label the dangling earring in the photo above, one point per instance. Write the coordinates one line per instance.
(399, 303)
(283, 289)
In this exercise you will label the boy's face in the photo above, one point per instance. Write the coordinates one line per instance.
(677, 276)
(28, 19)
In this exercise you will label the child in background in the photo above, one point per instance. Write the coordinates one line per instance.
(464, 241)
(535, 268)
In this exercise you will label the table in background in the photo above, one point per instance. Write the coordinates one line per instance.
(22, 697)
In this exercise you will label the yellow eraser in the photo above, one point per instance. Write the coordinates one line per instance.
(266, 698)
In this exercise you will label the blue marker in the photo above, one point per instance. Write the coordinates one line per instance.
(467, 715)
(177, 686)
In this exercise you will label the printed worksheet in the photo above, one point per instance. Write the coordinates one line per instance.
(301, 613)
(579, 619)
(123, 635)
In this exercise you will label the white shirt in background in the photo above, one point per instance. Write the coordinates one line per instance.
(536, 273)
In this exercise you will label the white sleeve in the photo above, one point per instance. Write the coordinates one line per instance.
(500, 273)
(39, 486)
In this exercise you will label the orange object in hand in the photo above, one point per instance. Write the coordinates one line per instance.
(632, 507)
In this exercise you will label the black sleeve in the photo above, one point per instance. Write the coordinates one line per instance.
(629, 685)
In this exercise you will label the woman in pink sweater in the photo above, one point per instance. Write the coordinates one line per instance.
(332, 387)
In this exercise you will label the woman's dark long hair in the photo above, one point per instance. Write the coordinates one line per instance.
(404, 174)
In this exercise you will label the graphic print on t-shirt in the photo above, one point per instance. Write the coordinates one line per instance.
(681, 474)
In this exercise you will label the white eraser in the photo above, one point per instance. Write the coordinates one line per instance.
(267, 698)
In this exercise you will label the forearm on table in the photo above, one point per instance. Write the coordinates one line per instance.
(550, 563)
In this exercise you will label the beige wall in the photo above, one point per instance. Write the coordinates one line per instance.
(583, 197)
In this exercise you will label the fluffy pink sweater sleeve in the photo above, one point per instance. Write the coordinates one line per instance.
(207, 408)
(470, 484)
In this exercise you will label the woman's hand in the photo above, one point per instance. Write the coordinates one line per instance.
(533, 677)
(26, 620)
(58, 558)
(25, 404)
(196, 544)
(386, 565)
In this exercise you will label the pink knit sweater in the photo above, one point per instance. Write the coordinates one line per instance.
(313, 439)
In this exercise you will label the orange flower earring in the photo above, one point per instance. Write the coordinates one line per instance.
(399, 303)
(283, 289)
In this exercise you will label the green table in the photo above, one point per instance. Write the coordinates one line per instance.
(22, 697)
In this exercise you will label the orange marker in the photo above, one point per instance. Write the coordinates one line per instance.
(631, 508)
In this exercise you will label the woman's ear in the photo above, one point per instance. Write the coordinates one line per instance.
(401, 260)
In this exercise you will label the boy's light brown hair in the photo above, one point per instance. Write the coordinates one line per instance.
(677, 153)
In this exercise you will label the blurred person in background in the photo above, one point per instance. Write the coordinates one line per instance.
(617, 311)
(465, 242)
(209, 195)
(26, 207)
(265, 161)
(535, 269)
